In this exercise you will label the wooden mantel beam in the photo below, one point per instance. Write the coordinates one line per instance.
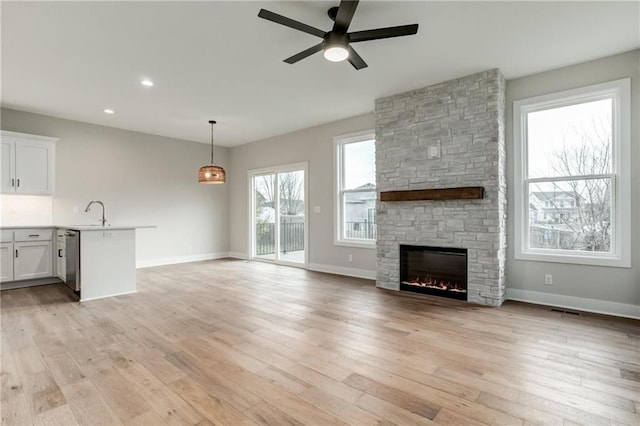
(464, 193)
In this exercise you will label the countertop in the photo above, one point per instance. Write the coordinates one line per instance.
(80, 227)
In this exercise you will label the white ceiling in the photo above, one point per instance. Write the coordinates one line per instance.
(218, 60)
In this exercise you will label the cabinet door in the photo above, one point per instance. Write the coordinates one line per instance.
(61, 261)
(7, 172)
(6, 262)
(33, 260)
(34, 167)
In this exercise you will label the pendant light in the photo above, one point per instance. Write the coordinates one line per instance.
(211, 173)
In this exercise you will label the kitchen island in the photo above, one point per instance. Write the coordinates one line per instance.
(105, 259)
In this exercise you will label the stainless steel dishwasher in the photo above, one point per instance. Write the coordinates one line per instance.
(72, 252)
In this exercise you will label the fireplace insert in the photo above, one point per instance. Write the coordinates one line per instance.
(439, 271)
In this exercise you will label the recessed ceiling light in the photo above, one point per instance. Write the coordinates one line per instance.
(147, 83)
(109, 111)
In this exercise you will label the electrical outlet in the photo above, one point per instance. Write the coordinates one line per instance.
(548, 279)
(350, 257)
(433, 151)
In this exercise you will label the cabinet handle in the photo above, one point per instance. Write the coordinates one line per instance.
(59, 252)
(13, 182)
(18, 180)
(34, 235)
(16, 253)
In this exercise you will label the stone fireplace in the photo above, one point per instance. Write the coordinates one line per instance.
(448, 135)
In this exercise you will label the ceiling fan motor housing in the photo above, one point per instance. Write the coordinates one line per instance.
(333, 38)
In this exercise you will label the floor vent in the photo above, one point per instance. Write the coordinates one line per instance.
(565, 311)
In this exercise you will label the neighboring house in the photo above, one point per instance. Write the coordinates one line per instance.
(361, 213)
(553, 207)
(566, 220)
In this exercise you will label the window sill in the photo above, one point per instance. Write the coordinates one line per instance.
(356, 244)
(575, 259)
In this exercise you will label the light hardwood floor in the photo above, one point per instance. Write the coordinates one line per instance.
(233, 343)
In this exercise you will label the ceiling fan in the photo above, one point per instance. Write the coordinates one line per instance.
(336, 43)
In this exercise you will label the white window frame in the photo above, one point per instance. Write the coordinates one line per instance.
(338, 149)
(620, 93)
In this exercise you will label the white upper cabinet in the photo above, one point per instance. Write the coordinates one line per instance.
(27, 164)
(8, 155)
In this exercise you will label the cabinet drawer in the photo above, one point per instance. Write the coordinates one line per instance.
(33, 234)
(6, 236)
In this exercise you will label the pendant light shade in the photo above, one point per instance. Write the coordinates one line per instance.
(212, 173)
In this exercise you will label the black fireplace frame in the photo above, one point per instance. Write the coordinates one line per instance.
(405, 248)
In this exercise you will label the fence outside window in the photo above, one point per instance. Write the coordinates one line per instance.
(291, 237)
(360, 230)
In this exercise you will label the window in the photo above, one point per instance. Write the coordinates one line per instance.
(572, 153)
(355, 190)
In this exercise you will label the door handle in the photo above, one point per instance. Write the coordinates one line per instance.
(59, 252)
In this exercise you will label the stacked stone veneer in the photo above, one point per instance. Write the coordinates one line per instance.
(465, 118)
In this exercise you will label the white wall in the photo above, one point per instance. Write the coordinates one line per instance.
(142, 179)
(314, 145)
(602, 287)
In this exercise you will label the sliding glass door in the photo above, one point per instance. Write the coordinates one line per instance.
(264, 216)
(278, 213)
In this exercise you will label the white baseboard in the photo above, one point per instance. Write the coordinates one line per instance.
(104, 297)
(340, 270)
(179, 259)
(238, 255)
(577, 303)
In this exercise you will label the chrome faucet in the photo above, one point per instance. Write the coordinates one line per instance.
(103, 220)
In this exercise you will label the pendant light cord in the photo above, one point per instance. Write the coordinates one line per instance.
(212, 141)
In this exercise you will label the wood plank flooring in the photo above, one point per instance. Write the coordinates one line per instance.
(230, 342)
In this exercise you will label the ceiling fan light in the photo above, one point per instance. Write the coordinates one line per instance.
(336, 53)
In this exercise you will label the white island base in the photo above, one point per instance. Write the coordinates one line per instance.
(107, 262)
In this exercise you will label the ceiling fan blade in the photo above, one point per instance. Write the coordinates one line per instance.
(402, 30)
(299, 56)
(346, 10)
(288, 22)
(355, 59)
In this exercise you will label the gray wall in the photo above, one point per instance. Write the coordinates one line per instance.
(142, 179)
(621, 285)
(314, 145)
